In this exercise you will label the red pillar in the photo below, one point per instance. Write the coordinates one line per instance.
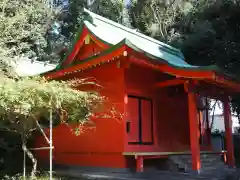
(139, 163)
(194, 131)
(228, 133)
(208, 129)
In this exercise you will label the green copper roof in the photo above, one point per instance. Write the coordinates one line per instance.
(112, 33)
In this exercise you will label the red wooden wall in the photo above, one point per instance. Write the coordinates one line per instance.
(173, 125)
(88, 50)
(170, 112)
(103, 145)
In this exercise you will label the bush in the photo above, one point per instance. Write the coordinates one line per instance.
(40, 177)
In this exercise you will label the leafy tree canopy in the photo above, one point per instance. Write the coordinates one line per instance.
(23, 26)
(27, 99)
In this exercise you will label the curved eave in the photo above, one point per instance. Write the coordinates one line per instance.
(117, 50)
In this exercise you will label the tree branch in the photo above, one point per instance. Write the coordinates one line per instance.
(42, 131)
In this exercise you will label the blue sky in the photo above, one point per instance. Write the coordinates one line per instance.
(127, 1)
(65, 2)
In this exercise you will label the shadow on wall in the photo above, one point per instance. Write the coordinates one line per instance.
(11, 155)
(219, 143)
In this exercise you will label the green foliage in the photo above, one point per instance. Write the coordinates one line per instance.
(210, 34)
(19, 177)
(23, 26)
(157, 18)
(111, 9)
(24, 101)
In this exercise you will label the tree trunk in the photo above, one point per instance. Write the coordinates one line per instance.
(214, 107)
(34, 160)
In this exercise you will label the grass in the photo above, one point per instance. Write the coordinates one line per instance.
(42, 177)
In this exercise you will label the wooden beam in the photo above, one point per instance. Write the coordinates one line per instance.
(168, 153)
(228, 84)
(228, 133)
(179, 72)
(172, 82)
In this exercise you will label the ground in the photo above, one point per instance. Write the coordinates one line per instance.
(161, 175)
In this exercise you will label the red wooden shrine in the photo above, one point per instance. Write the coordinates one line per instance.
(152, 86)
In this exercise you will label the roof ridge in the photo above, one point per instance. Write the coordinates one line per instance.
(132, 31)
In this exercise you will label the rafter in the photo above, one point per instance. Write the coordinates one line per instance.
(172, 82)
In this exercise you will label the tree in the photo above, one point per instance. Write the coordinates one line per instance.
(209, 33)
(23, 26)
(157, 18)
(24, 101)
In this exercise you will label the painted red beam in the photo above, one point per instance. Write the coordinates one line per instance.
(227, 83)
(178, 72)
(211, 94)
(186, 73)
(172, 82)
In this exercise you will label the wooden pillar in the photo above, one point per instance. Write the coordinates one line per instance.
(139, 163)
(228, 133)
(208, 129)
(194, 131)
